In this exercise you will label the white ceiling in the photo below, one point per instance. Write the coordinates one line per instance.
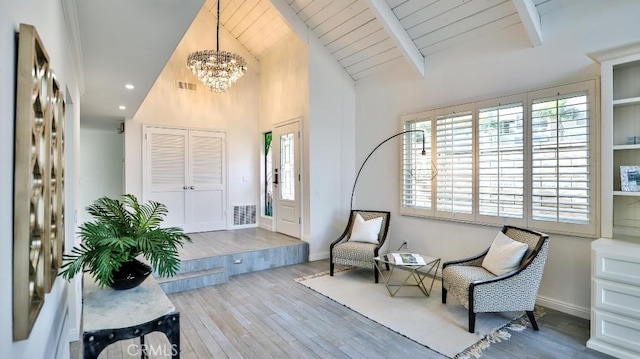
(126, 41)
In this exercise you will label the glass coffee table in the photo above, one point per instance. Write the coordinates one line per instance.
(418, 272)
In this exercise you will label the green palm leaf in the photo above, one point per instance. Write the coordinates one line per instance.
(122, 230)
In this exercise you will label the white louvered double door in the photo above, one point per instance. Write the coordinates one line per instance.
(185, 170)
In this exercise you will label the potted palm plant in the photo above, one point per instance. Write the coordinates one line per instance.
(123, 230)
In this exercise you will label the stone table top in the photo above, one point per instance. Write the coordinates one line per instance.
(106, 308)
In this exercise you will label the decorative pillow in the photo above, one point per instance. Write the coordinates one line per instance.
(504, 255)
(365, 231)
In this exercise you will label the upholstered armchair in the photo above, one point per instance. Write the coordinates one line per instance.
(503, 288)
(361, 241)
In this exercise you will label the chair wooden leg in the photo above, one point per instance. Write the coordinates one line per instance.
(331, 269)
(472, 322)
(532, 319)
(444, 296)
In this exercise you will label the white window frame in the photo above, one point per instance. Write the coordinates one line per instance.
(527, 99)
(497, 220)
(453, 111)
(417, 211)
(591, 229)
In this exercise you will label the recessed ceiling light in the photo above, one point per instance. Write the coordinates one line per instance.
(122, 107)
(129, 86)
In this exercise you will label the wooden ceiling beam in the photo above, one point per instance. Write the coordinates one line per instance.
(398, 34)
(530, 19)
(292, 19)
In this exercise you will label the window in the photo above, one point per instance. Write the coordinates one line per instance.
(268, 172)
(454, 161)
(523, 159)
(560, 159)
(501, 161)
(416, 167)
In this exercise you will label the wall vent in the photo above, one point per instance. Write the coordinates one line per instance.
(186, 86)
(244, 215)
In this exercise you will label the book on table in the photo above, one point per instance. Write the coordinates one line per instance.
(408, 259)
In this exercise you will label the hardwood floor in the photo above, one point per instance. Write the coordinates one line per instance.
(267, 314)
(210, 244)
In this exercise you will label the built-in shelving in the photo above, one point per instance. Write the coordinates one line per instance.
(615, 317)
(626, 102)
(626, 147)
(626, 193)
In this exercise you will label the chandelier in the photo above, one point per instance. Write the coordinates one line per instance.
(218, 70)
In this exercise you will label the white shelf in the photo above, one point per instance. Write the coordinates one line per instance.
(626, 102)
(626, 193)
(626, 147)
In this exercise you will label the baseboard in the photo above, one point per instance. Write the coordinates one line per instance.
(266, 223)
(580, 312)
(318, 256)
(266, 226)
(74, 335)
(610, 349)
(243, 226)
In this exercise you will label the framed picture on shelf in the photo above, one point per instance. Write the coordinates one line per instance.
(630, 178)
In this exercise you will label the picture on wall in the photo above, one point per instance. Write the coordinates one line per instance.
(630, 178)
(38, 236)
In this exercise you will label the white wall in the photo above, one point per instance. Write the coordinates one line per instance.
(101, 166)
(496, 64)
(284, 91)
(234, 112)
(300, 78)
(330, 162)
(49, 334)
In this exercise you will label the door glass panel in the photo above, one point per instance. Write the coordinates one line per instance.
(268, 173)
(287, 170)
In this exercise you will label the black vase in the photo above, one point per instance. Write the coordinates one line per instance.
(130, 275)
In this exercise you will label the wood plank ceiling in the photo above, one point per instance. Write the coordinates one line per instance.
(255, 23)
(359, 40)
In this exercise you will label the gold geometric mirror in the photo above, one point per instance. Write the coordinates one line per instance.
(38, 184)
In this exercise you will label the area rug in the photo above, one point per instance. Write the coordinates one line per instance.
(440, 327)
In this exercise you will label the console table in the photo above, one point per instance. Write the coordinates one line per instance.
(112, 315)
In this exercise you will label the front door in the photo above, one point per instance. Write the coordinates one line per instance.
(286, 179)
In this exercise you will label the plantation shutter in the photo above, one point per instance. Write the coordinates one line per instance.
(416, 168)
(206, 159)
(185, 170)
(560, 159)
(167, 159)
(454, 150)
(501, 161)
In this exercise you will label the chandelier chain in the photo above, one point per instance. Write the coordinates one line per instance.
(218, 28)
(218, 70)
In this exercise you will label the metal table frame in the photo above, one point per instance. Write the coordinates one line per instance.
(416, 272)
(113, 315)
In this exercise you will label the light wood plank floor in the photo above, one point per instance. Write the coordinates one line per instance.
(210, 244)
(268, 315)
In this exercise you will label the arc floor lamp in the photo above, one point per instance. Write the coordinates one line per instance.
(424, 153)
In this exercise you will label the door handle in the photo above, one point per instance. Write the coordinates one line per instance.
(185, 187)
(275, 176)
(191, 187)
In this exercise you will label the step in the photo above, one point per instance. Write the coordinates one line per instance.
(193, 280)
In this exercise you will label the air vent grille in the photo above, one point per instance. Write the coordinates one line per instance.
(244, 214)
(186, 86)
